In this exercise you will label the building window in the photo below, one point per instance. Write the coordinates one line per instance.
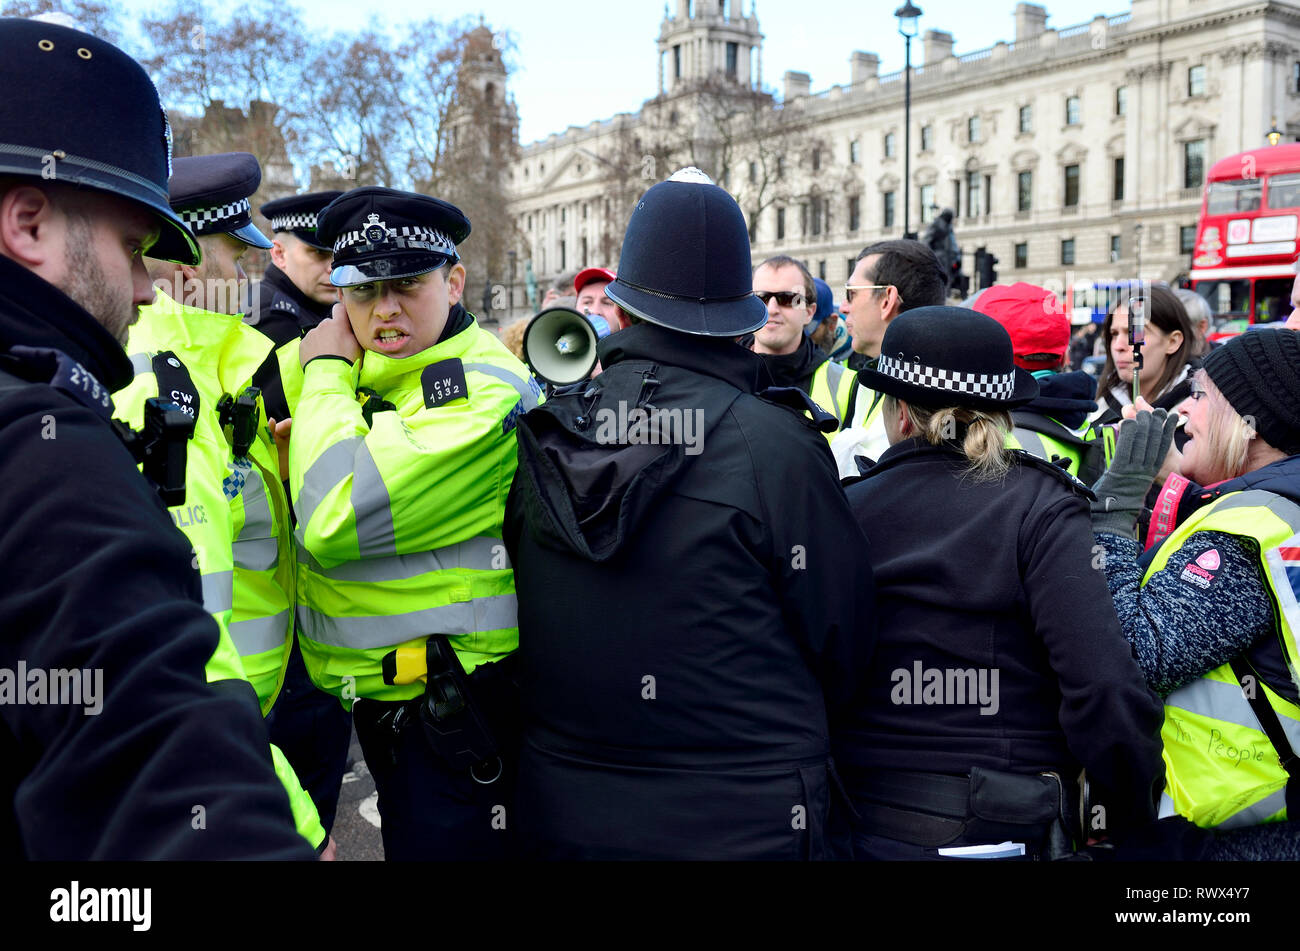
(927, 137)
(1295, 77)
(973, 190)
(928, 207)
(677, 62)
(889, 145)
(780, 167)
(563, 218)
(582, 262)
(853, 152)
(1024, 191)
(1196, 81)
(1194, 163)
(855, 212)
(889, 209)
(849, 265)
(1071, 186)
(780, 223)
(753, 172)
(733, 52)
(563, 259)
(1114, 248)
(1121, 101)
(1022, 254)
(816, 160)
(973, 129)
(821, 270)
(1186, 239)
(1026, 118)
(1067, 251)
(816, 223)
(1072, 110)
(1117, 182)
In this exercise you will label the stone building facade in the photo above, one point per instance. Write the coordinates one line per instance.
(1070, 154)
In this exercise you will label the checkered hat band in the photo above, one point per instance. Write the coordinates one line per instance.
(996, 386)
(421, 239)
(205, 220)
(293, 222)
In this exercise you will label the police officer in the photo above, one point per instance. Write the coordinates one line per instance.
(1000, 661)
(202, 356)
(294, 296)
(295, 293)
(684, 635)
(402, 452)
(1211, 610)
(94, 569)
(787, 291)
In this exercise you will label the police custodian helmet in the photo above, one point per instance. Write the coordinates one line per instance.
(76, 109)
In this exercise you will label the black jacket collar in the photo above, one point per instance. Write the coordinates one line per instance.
(718, 357)
(281, 282)
(795, 369)
(35, 313)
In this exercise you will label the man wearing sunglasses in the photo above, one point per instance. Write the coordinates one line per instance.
(786, 288)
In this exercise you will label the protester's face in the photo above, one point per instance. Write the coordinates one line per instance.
(404, 316)
(1196, 463)
(783, 331)
(824, 336)
(864, 315)
(104, 267)
(593, 300)
(307, 267)
(1157, 347)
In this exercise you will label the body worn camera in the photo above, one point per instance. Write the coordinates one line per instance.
(160, 447)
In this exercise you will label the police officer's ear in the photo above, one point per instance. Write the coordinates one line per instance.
(29, 220)
(455, 277)
(278, 257)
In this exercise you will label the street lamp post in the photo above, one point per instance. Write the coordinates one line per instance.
(1274, 134)
(907, 16)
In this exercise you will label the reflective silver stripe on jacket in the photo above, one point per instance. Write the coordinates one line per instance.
(372, 507)
(1225, 701)
(483, 553)
(141, 363)
(525, 388)
(834, 373)
(499, 612)
(333, 466)
(218, 591)
(1283, 508)
(255, 547)
(260, 634)
(1031, 443)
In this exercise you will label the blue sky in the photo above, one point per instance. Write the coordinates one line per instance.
(579, 60)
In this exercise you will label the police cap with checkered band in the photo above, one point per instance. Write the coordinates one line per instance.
(211, 192)
(77, 110)
(938, 357)
(297, 214)
(380, 234)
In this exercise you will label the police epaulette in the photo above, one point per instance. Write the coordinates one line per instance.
(1029, 459)
(793, 398)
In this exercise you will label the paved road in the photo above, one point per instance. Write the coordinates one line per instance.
(356, 824)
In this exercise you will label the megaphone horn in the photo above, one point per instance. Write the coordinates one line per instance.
(560, 344)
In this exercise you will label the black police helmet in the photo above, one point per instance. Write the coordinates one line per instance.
(76, 109)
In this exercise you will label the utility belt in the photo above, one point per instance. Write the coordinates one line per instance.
(990, 806)
(470, 721)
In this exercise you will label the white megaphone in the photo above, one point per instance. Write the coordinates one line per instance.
(560, 344)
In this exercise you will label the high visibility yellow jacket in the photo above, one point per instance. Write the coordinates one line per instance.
(235, 512)
(832, 385)
(1221, 770)
(400, 511)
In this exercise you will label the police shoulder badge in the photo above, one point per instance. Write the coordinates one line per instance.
(443, 382)
(375, 230)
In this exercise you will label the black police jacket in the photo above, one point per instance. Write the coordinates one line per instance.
(976, 580)
(284, 313)
(154, 763)
(689, 614)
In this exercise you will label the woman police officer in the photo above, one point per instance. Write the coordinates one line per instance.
(1211, 610)
(1000, 667)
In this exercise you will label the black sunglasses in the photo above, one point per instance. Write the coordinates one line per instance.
(783, 298)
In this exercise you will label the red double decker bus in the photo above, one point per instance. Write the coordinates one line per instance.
(1244, 260)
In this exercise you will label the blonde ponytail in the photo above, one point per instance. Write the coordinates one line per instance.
(983, 435)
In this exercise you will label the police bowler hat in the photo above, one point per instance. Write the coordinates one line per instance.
(685, 263)
(942, 356)
(76, 109)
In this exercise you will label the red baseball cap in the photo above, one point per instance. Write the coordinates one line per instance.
(1034, 318)
(587, 275)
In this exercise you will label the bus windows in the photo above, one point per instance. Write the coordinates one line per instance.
(1284, 191)
(1226, 297)
(1225, 198)
(1272, 299)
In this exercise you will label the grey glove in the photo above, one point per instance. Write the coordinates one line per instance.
(1140, 449)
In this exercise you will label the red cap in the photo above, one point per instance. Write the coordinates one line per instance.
(590, 274)
(1034, 318)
